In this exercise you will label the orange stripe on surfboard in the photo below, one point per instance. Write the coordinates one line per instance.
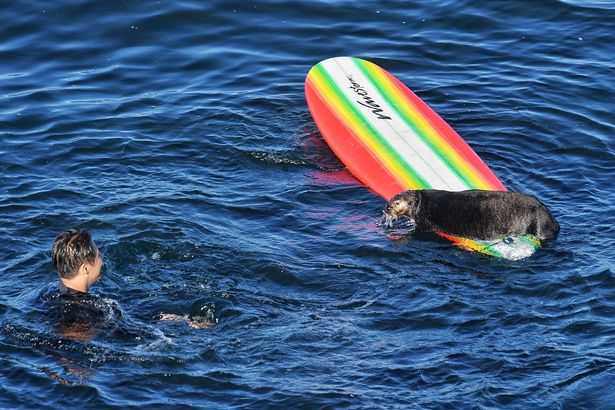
(438, 133)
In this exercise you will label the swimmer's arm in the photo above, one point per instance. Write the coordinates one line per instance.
(196, 322)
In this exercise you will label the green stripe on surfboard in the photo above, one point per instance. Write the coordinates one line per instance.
(370, 130)
(446, 159)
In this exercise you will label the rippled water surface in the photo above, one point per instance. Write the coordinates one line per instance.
(178, 134)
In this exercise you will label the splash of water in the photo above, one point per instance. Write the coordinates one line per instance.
(386, 220)
(395, 227)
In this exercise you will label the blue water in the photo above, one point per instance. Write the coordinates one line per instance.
(178, 134)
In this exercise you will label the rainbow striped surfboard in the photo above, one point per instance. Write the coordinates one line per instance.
(392, 141)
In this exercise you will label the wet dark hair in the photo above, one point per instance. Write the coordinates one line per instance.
(70, 250)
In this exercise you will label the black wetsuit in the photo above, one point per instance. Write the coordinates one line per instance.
(83, 316)
(79, 315)
(73, 306)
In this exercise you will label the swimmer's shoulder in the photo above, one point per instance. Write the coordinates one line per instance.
(69, 305)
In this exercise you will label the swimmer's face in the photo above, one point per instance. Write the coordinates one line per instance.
(401, 205)
(94, 270)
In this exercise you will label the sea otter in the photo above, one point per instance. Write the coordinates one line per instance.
(475, 214)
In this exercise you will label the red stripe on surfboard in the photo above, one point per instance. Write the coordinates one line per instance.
(349, 148)
(464, 150)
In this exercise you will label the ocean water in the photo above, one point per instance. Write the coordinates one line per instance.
(178, 134)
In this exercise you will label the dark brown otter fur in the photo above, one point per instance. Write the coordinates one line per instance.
(475, 214)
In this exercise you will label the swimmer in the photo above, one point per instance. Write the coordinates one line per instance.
(78, 262)
(476, 214)
(76, 314)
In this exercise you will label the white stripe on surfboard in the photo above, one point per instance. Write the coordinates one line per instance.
(395, 130)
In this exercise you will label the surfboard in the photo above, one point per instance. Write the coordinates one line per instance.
(392, 141)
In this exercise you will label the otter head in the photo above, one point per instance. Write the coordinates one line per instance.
(404, 204)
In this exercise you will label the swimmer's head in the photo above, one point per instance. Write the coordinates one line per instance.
(74, 251)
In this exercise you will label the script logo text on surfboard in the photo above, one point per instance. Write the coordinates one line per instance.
(367, 100)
